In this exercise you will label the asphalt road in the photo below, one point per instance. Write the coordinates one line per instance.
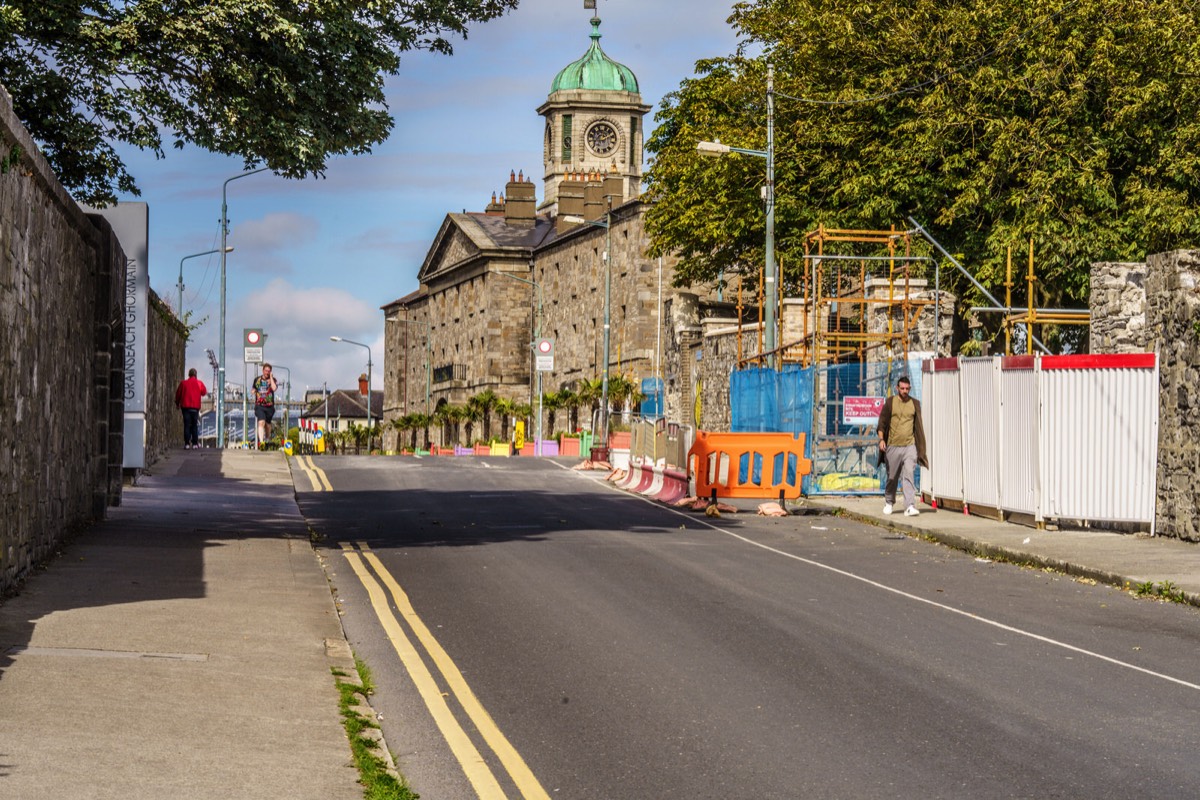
(625, 650)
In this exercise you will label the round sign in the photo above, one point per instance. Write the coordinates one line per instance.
(252, 337)
(545, 346)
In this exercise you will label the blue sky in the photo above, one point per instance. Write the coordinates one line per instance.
(317, 258)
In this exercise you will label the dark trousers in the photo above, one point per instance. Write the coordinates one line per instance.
(191, 426)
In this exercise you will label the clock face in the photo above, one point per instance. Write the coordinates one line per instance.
(602, 138)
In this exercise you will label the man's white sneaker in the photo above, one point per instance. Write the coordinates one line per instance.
(911, 511)
(887, 508)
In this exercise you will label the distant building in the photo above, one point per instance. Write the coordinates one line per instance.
(470, 326)
(343, 408)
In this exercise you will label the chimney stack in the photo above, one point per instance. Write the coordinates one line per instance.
(520, 209)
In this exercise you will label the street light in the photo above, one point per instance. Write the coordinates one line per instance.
(428, 358)
(537, 334)
(179, 308)
(368, 349)
(717, 149)
(224, 250)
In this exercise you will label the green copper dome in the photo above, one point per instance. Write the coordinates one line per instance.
(595, 71)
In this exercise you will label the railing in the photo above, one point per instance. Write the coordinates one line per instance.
(449, 372)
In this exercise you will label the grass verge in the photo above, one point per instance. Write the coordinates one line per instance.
(379, 783)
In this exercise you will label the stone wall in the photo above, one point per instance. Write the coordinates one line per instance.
(1172, 317)
(1118, 303)
(61, 315)
(165, 353)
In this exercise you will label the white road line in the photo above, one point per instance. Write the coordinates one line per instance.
(884, 587)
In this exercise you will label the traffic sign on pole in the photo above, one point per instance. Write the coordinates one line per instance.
(252, 345)
(545, 355)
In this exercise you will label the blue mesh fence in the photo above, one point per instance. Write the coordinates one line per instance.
(766, 400)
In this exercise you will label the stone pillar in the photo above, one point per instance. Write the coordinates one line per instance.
(1173, 324)
(1118, 305)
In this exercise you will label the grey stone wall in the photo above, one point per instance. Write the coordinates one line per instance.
(1118, 304)
(1173, 321)
(572, 275)
(165, 353)
(61, 316)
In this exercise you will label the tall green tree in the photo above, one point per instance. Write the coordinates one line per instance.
(1069, 121)
(281, 84)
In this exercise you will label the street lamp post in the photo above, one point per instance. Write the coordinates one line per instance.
(179, 308)
(718, 149)
(369, 414)
(537, 334)
(224, 251)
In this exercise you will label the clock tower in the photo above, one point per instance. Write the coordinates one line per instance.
(593, 123)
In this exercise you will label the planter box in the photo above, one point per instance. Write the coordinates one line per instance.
(569, 446)
(549, 448)
(483, 450)
(501, 449)
(622, 440)
(463, 451)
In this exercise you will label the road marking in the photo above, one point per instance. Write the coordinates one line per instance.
(476, 769)
(319, 473)
(900, 592)
(308, 473)
(517, 769)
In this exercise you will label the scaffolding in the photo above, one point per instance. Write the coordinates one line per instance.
(1030, 316)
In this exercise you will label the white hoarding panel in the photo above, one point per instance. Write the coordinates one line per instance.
(1099, 421)
(1019, 435)
(979, 379)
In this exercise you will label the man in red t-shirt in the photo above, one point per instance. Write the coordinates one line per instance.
(187, 398)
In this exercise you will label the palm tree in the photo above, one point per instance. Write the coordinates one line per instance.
(504, 409)
(472, 412)
(419, 421)
(486, 401)
(441, 415)
(552, 402)
(570, 401)
(589, 394)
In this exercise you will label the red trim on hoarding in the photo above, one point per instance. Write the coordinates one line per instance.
(1017, 362)
(1100, 361)
(941, 365)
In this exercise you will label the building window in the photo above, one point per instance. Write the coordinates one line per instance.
(633, 138)
(566, 137)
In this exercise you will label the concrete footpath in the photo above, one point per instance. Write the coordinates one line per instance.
(181, 648)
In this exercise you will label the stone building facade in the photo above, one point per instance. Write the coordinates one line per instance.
(495, 281)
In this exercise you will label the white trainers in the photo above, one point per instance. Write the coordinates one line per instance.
(911, 511)
(887, 508)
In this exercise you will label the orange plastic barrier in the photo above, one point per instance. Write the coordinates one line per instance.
(754, 465)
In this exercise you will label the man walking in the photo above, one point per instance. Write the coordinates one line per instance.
(187, 400)
(902, 443)
(264, 404)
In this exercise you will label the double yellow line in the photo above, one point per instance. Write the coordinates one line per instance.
(320, 482)
(480, 775)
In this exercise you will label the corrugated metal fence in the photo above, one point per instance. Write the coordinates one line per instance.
(1055, 437)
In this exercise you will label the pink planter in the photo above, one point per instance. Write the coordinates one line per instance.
(569, 446)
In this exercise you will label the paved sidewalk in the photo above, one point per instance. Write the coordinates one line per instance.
(180, 649)
(1115, 558)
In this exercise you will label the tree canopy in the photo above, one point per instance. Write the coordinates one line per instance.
(282, 84)
(989, 121)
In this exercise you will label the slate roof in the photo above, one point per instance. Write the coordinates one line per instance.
(348, 404)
